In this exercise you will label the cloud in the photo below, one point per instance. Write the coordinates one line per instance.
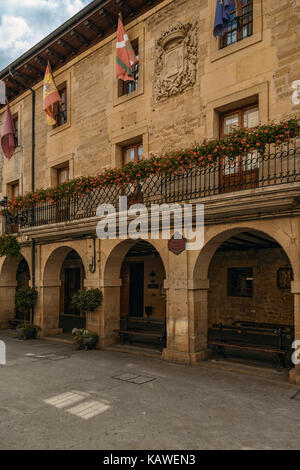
(23, 23)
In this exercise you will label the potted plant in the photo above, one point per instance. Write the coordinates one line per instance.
(86, 300)
(25, 300)
(84, 339)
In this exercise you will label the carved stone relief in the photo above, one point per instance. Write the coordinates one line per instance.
(175, 60)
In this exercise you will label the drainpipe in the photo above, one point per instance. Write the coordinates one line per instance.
(92, 262)
(32, 168)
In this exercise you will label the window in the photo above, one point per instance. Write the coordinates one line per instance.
(240, 282)
(60, 111)
(131, 85)
(13, 190)
(241, 172)
(241, 23)
(133, 154)
(16, 125)
(63, 174)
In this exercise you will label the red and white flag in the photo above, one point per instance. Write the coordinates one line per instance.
(8, 134)
(125, 56)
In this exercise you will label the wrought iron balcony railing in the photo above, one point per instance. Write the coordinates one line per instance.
(280, 165)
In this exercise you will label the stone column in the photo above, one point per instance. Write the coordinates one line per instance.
(198, 319)
(178, 309)
(295, 289)
(7, 304)
(49, 307)
(110, 312)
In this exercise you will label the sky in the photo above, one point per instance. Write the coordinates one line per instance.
(23, 23)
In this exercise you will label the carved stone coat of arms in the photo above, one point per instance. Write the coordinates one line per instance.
(175, 60)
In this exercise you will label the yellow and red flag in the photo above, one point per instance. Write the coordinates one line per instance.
(50, 96)
(125, 56)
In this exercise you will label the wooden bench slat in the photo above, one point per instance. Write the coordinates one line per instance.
(248, 347)
(140, 332)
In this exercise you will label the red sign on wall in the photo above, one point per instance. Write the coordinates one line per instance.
(177, 245)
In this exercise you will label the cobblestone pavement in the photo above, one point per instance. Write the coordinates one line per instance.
(53, 397)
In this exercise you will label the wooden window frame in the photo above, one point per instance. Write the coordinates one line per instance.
(61, 111)
(240, 111)
(242, 21)
(11, 188)
(128, 87)
(60, 170)
(243, 178)
(135, 146)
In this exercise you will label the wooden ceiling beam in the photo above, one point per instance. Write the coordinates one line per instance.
(92, 27)
(55, 55)
(112, 20)
(129, 10)
(67, 46)
(40, 61)
(17, 84)
(32, 69)
(27, 79)
(75, 34)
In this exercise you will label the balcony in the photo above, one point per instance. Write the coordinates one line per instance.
(250, 175)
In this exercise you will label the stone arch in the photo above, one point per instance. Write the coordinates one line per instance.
(50, 305)
(112, 283)
(112, 264)
(201, 267)
(52, 266)
(8, 284)
(205, 256)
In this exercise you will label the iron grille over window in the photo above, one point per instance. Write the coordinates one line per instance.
(241, 23)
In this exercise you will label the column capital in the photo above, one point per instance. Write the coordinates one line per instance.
(199, 284)
(111, 283)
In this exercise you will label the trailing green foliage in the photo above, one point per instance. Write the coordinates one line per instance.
(9, 246)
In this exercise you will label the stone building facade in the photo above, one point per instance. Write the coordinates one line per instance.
(187, 86)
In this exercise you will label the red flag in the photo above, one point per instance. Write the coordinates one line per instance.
(125, 56)
(8, 134)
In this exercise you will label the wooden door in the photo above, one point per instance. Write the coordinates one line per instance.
(243, 171)
(72, 285)
(124, 292)
(136, 289)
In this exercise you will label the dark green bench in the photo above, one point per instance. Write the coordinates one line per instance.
(268, 340)
(143, 329)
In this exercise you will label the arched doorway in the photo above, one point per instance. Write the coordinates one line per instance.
(14, 273)
(63, 275)
(134, 277)
(72, 275)
(142, 275)
(249, 277)
(250, 280)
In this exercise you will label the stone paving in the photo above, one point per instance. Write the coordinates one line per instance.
(54, 397)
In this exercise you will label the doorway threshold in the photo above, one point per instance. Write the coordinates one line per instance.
(135, 350)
